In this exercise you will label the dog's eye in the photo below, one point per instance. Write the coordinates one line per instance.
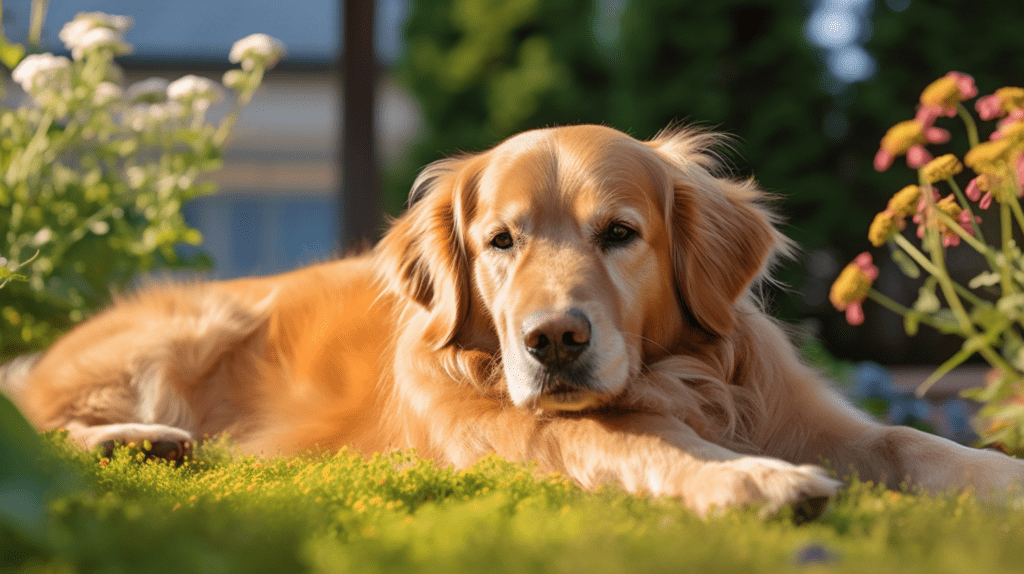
(502, 240)
(616, 235)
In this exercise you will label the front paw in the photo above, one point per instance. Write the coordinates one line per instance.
(766, 483)
(994, 476)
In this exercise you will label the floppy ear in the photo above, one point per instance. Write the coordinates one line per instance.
(423, 257)
(722, 238)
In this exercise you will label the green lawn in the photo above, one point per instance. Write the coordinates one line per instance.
(396, 513)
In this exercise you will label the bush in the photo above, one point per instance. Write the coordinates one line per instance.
(94, 176)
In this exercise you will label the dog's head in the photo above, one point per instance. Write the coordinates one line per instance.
(579, 254)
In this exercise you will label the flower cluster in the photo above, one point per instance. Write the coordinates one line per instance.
(989, 312)
(256, 50)
(96, 31)
(96, 173)
(40, 73)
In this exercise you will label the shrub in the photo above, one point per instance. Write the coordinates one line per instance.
(93, 176)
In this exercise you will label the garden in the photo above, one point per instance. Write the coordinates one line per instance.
(94, 174)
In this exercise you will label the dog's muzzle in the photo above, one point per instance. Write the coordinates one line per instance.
(558, 341)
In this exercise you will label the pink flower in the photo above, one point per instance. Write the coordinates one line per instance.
(1007, 123)
(1000, 103)
(908, 138)
(982, 183)
(950, 207)
(988, 107)
(917, 156)
(928, 114)
(852, 286)
(942, 96)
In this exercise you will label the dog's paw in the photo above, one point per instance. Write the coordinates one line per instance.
(766, 483)
(993, 476)
(159, 441)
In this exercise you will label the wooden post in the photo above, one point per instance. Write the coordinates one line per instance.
(359, 203)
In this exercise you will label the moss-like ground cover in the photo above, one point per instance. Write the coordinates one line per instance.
(396, 513)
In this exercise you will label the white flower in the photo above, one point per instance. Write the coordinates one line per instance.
(146, 117)
(91, 30)
(106, 93)
(85, 21)
(100, 39)
(42, 236)
(151, 91)
(136, 176)
(257, 48)
(201, 92)
(40, 71)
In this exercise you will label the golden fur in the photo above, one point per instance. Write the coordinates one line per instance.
(573, 296)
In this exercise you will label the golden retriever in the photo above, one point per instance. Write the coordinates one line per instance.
(573, 297)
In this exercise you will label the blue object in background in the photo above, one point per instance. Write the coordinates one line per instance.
(872, 381)
(959, 421)
(264, 234)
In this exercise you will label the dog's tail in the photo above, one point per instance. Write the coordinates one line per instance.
(14, 373)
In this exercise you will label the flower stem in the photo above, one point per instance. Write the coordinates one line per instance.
(934, 239)
(1017, 213)
(36, 20)
(899, 309)
(971, 240)
(253, 82)
(928, 266)
(972, 127)
(1006, 224)
(967, 207)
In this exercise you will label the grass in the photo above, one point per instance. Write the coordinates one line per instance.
(396, 513)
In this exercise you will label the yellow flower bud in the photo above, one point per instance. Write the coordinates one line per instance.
(885, 225)
(852, 286)
(949, 206)
(1014, 131)
(902, 136)
(1010, 97)
(942, 93)
(986, 157)
(941, 168)
(904, 202)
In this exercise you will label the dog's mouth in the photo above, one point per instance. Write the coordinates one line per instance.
(567, 397)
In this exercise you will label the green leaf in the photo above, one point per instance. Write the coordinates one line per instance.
(927, 301)
(911, 321)
(31, 476)
(10, 54)
(905, 263)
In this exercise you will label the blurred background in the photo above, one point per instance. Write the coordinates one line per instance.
(808, 89)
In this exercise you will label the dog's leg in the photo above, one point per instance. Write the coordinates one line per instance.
(827, 429)
(658, 455)
(153, 369)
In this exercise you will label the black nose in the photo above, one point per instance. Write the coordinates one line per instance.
(556, 339)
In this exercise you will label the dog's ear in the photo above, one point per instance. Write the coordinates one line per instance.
(423, 256)
(722, 236)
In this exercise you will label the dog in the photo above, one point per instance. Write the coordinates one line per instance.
(573, 297)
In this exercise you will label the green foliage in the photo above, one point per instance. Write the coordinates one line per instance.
(31, 476)
(739, 66)
(398, 513)
(93, 177)
(743, 67)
